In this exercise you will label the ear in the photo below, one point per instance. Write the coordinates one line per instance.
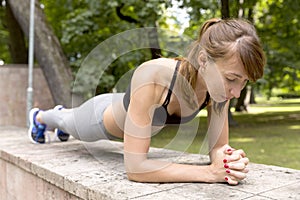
(202, 59)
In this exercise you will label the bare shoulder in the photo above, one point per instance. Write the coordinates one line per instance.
(157, 71)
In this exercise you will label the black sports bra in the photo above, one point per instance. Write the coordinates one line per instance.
(161, 115)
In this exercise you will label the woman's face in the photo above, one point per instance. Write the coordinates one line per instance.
(225, 78)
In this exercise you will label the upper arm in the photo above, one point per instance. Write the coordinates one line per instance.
(145, 96)
(138, 121)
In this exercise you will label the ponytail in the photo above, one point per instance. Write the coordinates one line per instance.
(190, 66)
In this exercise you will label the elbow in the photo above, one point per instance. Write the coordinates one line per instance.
(138, 174)
(136, 177)
(139, 168)
(135, 167)
(133, 177)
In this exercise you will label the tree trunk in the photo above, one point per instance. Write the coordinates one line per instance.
(252, 96)
(240, 105)
(225, 9)
(154, 44)
(16, 44)
(225, 15)
(48, 51)
(152, 34)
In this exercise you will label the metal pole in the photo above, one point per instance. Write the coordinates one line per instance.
(30, 60)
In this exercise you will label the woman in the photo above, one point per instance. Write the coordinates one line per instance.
(171, 91)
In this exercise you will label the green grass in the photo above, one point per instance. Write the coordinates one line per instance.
(269, 133)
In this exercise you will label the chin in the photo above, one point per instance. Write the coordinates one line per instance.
(219, 99)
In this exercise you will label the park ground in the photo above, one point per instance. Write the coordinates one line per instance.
(269, 133)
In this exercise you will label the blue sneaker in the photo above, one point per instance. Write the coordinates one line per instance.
(36, 132)
(62, 136)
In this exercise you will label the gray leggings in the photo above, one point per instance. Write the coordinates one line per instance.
(84, 122)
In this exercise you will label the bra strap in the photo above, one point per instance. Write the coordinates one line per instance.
(167, 100)
(205, 103)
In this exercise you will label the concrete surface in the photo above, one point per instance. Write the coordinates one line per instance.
(77, 170)
(13, 95)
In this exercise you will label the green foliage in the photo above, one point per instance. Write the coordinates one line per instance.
(4, 38)
(269, 134)
(200, 11)
(279, 28)
(81, 25)
(86, 24)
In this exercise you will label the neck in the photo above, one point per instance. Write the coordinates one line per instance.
(200, 89)
(201, 86)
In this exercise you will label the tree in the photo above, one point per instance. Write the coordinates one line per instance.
(86, 24)
(47, 50)
(17, 45)
(225, 9)
(245, 10)
(5, 56)
(225, 15)
(278, 25)
(153, 35)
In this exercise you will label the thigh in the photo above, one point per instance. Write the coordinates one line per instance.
(89, 117)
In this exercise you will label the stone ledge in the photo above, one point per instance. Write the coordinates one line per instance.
(77, 170)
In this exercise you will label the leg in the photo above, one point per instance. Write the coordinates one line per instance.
(84, 122)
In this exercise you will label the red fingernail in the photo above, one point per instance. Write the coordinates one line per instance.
(225, 161)
(226, 166)
(226, 178)
(227, 171)
(229, 150)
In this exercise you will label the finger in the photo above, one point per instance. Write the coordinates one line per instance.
(231, 158)
(229, 150)
(231, 181)
(238, 175)
(235, 166)
(245, 160)
(246, 170)
(236, 158)
(239, 152)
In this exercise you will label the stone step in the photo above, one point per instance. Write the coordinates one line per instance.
(78, 170)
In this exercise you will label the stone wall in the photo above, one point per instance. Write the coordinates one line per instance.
(94, 171)
(14, 182)
(13, 95)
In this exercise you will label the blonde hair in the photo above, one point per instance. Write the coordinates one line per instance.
(222, 39)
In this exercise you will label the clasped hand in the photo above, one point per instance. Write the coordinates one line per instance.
(231, 165)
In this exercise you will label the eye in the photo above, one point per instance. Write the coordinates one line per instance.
(230, 79)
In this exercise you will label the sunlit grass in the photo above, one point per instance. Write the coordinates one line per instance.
(269, 133)
(294, 127)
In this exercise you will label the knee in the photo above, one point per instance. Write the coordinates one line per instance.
(61, 124)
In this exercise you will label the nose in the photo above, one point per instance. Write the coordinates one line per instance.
(235, 92)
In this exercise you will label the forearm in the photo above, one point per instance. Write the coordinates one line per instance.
(159, 171)
(218, 130)
(220, 143)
